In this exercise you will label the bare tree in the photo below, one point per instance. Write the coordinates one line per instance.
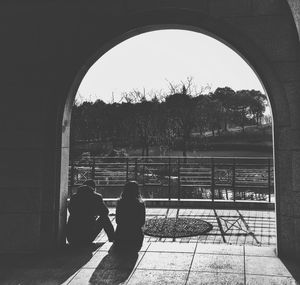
(190, 87)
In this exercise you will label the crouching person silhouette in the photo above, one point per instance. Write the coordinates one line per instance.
(88, 216)
(130, 218)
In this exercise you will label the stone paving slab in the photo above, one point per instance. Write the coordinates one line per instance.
(96, 276)
(166, 261)
(260, 251)
(155, 277)
(269, 280)
(220, 249)
(172, 247)
(212, 278)
(218, 263)
(261, 265)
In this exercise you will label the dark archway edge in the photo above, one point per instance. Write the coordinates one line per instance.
(171, 18)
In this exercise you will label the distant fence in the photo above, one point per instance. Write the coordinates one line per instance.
(215, 178)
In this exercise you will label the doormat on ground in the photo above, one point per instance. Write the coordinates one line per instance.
(176, 227)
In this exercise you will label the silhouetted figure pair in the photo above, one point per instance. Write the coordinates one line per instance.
(89, 215)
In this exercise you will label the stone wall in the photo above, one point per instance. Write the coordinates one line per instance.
(46, 48)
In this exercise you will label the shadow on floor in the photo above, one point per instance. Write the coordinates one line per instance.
(293, 266)
(47, 268)
(114, 268)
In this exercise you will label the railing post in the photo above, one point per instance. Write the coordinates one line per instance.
(135, 170)
(233, 179)
(127, 169)
(169, 184)
(143, 174)
(178, 169)
(269, 178)
(93, 168)
(212, 180)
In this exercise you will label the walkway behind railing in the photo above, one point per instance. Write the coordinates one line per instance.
(234, 178)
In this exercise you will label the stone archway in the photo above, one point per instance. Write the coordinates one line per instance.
(46, 44)
(238, 41)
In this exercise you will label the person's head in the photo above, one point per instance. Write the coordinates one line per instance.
(131, 191)
(90, 183)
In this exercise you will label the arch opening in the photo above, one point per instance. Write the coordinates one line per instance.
(83, 72)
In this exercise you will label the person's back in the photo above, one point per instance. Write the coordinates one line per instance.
(130, 214)
(85, 205)
(130, 218)
(88, 215)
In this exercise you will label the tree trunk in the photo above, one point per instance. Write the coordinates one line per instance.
(225, 125)
(143, 150)
(184, 148)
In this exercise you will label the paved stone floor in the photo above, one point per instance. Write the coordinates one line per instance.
(156, 263)
(219, 258)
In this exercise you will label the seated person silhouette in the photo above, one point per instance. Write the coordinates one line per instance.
(130, 218)
(88, 216)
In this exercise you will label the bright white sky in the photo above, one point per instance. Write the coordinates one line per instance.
(152, 59)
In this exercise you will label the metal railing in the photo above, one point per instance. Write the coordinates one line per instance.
(226, 178)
